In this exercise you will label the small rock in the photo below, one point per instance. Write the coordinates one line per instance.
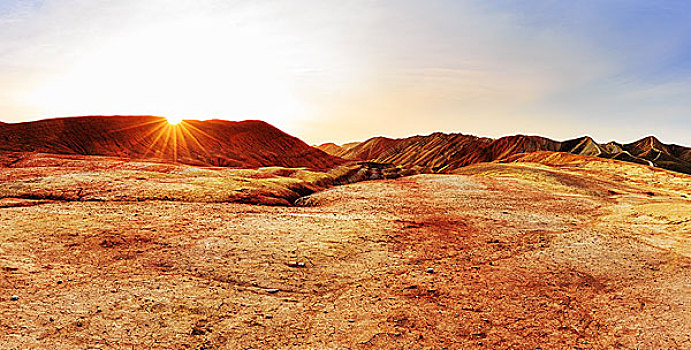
(430, 270)
(268, 317)
(59, 282)
(14, 298)
(351, 320)
(272, 290)
(198, 330)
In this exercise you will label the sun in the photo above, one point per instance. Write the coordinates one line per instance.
(174, 120)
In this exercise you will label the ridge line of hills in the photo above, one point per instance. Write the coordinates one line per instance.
(254, 144)
(221, 143)
(442, 153)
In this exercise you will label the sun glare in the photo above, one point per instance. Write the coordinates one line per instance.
(174, 120)
(241, 79)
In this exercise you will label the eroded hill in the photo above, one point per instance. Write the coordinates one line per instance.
(245, 144)
(442, 153)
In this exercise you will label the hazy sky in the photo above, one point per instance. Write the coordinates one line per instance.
(347, 70)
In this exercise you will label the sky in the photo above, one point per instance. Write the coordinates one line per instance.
(339, 71)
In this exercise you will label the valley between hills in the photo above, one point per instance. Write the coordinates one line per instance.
(130, 233)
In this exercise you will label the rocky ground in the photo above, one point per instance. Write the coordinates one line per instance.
(499, 256)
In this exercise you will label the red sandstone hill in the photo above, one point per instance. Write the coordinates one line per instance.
(246, 144)
(440, 152)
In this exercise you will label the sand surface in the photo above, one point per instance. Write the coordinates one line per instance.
(523, 256)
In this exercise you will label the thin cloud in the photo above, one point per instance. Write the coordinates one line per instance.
(339, 71)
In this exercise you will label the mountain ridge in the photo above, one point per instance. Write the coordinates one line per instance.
(246, 144)
(444, 152)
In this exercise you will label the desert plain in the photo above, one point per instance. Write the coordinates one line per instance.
(541, 251)
(336, 175)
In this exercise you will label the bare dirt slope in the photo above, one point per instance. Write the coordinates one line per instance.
(244, 144)
(38, 176)
(523, 256)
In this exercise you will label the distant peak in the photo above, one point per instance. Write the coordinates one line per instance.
(649, 139)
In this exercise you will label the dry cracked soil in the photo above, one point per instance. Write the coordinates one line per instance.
(499, 256)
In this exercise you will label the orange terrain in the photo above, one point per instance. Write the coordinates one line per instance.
(547, 251)
(240, 144)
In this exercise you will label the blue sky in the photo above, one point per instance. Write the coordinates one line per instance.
(341, 71)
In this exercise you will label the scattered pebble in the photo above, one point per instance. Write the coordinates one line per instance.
(430, 270)
(351, 320)
(272, 290)
(268, 317)
(196, 330)
(14, 298)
